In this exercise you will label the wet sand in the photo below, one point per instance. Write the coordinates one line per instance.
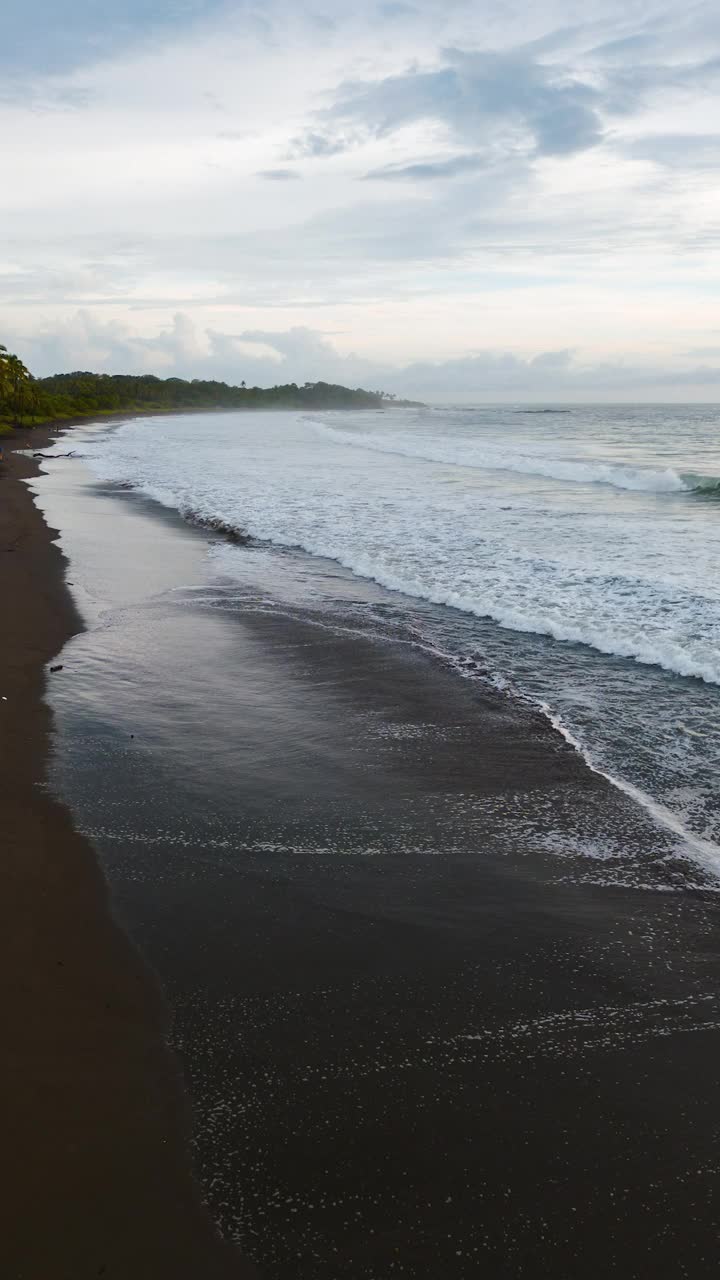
(97, 1179)
(448, 1003)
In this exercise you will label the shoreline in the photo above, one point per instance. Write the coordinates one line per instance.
(705, 850)
(101, 1179)
(52, 426)
(445, 999)
(10, 433)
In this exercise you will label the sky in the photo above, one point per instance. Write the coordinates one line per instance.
(455, 199)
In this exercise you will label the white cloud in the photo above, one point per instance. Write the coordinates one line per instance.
(421, 179)
(267, 357)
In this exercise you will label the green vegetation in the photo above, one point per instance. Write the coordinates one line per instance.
(15, 397)
(29, 401)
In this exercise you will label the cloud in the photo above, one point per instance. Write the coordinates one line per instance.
(473, 94)
(553, 360)
(514, 100)
(44, 96)
(679, 150)
(632, 84)
(46, 37)
(471, 175)
(278, 175)
(627, 46)
(429, 170)
(555, 374)
(266, 357)
(182, 349)
(316, 144)
(397, 10)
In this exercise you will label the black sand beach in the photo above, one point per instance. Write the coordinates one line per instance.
(97, 1178)
(427, 1031)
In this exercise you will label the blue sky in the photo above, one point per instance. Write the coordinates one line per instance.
(46, 37)
(490, 200)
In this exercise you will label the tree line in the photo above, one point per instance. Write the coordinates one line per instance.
(27, 401)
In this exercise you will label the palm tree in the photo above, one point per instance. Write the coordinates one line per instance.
(4, 376)
(14, 384)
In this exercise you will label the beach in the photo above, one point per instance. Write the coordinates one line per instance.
(360, 640)
(98, 1176)
(445, 999)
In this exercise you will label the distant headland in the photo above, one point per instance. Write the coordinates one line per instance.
(28, 401)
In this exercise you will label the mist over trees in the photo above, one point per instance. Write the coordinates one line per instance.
(26, 401)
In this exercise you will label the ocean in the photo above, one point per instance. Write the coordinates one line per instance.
(447, 1002)
(569, 556)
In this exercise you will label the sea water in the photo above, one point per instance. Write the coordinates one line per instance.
(569, 555)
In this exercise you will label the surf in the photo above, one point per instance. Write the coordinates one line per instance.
(477, 455)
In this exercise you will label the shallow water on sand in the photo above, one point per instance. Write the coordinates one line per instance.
(447, 1003)
(571, 556)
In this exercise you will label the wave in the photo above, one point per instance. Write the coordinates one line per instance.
(600, 634)
(706, 850)
(654, 650)
(477, 456)
(214, 524)
(614, 600)
(709, 486)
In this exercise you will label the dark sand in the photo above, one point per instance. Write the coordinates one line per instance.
(447, 1002)
(96, 1176)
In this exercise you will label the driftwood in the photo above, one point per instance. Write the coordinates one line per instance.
(71, 454)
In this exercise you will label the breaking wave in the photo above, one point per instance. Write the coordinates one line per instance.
(605, 634)
(477, 455)
(620, 562)
(638, 585)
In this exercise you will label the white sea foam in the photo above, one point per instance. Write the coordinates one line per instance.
(586, 532)
(637, 582)
(482, 456)
(707, 852)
